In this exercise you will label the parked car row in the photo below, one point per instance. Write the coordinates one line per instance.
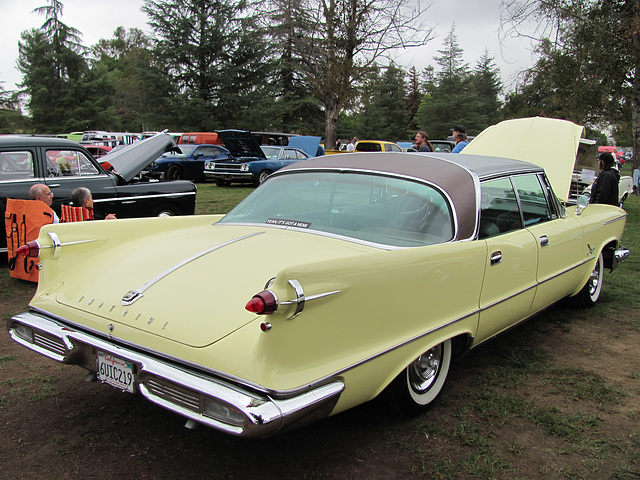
(115, 184)
(250, 162)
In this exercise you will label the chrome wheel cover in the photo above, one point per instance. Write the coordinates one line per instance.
(423, 371)
(594, 280)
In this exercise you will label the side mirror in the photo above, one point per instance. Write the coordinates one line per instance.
(583, 201)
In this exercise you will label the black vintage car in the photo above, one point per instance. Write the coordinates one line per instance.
(64, 165)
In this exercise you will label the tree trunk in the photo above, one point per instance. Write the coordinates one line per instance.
(330, 133)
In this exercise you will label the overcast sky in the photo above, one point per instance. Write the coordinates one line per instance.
(476, 22)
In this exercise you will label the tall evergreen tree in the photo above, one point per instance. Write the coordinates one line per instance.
(215, 55)
(487, 87)
(387, 105)
(132, 92)
(451, 100)
(294, 108)
(51, 61)
(11, 120)
(412, 101)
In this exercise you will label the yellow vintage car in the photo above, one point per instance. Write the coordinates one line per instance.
(341, 278)
(376, 146)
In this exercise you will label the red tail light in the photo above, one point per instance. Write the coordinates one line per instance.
(29, 249)
(263, 303)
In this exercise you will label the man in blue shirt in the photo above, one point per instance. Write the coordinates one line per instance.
(460, 137)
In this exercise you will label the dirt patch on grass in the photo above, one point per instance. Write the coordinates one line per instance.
(558, 397)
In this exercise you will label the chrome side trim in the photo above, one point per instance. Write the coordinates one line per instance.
(617, 219)
(262, 414)
(56, 244)
(301, 298)
(134, 198)
(133, 295)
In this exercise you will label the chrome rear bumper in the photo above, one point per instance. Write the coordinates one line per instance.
(199, 396)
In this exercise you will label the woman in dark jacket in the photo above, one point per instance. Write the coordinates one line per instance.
(605, 187)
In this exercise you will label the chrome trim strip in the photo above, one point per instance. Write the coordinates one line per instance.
(301, 298)
(56, 244)
(622, 217)
(134, 198)
(133, 295)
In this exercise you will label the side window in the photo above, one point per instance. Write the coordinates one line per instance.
(69, 163)
(499, 210)
(16, 165)
(533, 201)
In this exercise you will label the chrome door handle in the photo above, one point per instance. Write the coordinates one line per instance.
(496, 258)
(544, 241)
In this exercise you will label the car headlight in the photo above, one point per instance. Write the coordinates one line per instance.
(244, 167)
(153, 165)
(210, 166)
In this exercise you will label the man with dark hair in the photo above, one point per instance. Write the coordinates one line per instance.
(605, 187)
(422, 142)
(460, 137)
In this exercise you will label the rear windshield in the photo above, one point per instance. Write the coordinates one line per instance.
(373, 208)
(368, 147)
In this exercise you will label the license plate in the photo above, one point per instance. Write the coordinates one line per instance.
(115, 371)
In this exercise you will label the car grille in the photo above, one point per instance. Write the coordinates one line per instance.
(230, 167)
(577, 187)
(53, 344)
(174, 394)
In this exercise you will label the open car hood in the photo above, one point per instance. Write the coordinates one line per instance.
(548, 142)
(129, 161)
(307, 144)
(241, 144)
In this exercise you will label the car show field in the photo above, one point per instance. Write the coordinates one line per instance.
(324, 356)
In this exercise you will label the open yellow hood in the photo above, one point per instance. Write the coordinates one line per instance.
(548, 142)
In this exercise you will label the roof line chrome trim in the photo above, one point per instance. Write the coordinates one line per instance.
(133, 295)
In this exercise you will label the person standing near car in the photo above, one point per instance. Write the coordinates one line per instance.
(423, 143)
(460, 137)
(605, 187)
